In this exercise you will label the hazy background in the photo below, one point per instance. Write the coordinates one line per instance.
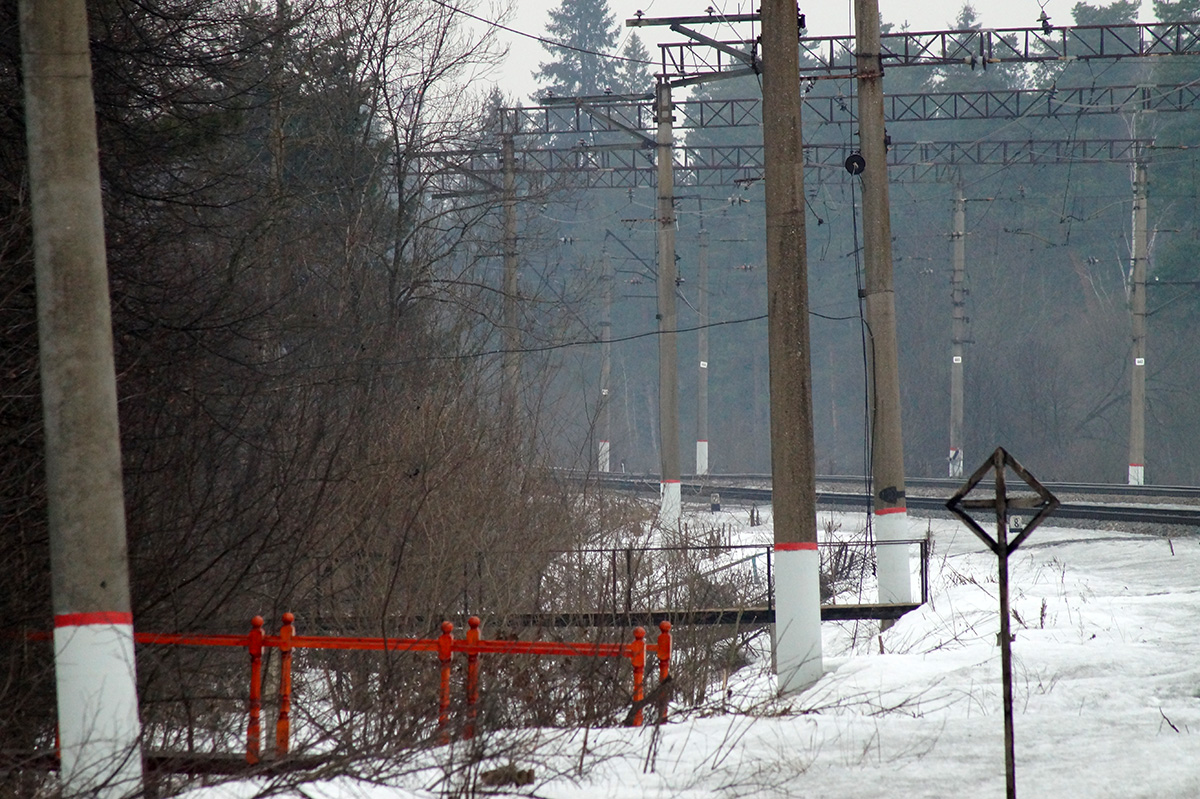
(530, 16)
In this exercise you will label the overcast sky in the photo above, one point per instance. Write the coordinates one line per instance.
(835, 19)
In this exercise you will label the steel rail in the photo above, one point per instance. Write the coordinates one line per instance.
(1135, 492)
(936, 504)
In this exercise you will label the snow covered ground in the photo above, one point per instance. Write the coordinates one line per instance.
(1106, 685)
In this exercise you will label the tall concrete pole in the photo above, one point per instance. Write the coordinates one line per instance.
(702, 347)
(668, 367)
(93, 623)
(798, 656)
(512, 327)
(1137, 303)
(887, 449)
(605, 412)
(958, 331)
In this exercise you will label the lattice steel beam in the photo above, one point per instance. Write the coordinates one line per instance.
(825, 56)
(593, 115)
(458, 172)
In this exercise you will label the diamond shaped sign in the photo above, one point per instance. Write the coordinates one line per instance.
(1044, 503)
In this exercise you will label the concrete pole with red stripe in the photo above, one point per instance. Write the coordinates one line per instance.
(798, 657)
(93, 626)
(958, 329)
(1138, 258)
(887, 447)
(702, 347)
(604, 454)
(671, 507)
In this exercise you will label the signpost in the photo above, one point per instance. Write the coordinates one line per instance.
(1043, 504)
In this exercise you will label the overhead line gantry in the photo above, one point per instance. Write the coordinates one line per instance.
(635, 113)
(825, 57)
(626, 167)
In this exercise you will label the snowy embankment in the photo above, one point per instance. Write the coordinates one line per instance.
(1106, 682)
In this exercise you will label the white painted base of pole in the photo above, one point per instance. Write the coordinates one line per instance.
(671, 507)
(892, 560)
(701, 457)
(1137, 474)
(956, 463)
(603, 461)
(99, 732)
(798, 660)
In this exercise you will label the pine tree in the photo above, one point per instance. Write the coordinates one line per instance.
(1174, 198)
(633, 74)
(582, 67)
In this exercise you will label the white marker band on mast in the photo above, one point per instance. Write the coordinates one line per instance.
(798, 659)
(99, 731)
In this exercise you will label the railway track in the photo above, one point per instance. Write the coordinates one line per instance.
(1136, 505)
(945, 486)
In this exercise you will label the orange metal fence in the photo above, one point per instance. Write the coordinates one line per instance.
(445, 646)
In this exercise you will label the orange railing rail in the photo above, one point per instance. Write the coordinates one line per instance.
(473, 646)
(445, 646)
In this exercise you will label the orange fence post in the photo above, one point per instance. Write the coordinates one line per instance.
(664, 664)
(445, 650)
(638, 656)
(284, 724)
(472, 677)
(253, 729)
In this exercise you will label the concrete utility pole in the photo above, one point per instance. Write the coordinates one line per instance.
(512, 328)
(605, 412)
(798, 655)
(93, 623)
(702, 347)
(668, 366)
(958, 331)
(1137, 301)
(887, 448)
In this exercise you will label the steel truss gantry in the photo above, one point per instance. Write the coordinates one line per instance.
(635, 113)
(626, 167)
(834, 56)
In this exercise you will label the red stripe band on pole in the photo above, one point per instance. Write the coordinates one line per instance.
(99, 617)
(1137, 464)
(885, 511)
(665, 482)
(794, 546)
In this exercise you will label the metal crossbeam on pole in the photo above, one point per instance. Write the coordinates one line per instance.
(826, 56)
(728, 165)
(583, 115)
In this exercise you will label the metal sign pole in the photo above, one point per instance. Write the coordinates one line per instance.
(1044, 503)
(1010, 765)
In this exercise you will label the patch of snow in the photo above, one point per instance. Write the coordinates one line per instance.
(1106, 686)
